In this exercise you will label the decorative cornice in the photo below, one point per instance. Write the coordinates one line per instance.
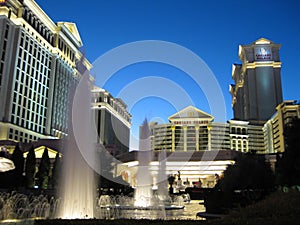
(263, 64)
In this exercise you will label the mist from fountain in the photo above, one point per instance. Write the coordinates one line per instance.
(18, 206)
(143, 192)
(77, 184)
(144, 204)
(162, 179)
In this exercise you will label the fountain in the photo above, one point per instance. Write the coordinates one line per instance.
(143, 192)
(144, 204)
(162, 186)
(77, 187)
(77, 191)
(17, 206)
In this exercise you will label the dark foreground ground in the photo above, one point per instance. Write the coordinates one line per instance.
(277, 209)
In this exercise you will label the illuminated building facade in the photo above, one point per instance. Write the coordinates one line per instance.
(257, 90)
(112, 121)
(194, 130)
(274, 128)
(196, 146)
(40, 63)
(199, 148)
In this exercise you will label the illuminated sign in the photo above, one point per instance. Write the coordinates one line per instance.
(191, 122)
(263, 54)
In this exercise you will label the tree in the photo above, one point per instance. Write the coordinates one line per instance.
(30, 168)
(18, 159)
(56, 171)
(43, 173)
(250, 171)
(288, 165)
(244, 182)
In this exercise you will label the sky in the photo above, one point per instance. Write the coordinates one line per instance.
(211, 30)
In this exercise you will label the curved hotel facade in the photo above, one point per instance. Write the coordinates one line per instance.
(194, 130)
(40, 64)
(196, 146)
(40, 67)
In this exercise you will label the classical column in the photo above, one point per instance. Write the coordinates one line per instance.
(209, 137)
(197, 137)
(173, 138)
(185, 138)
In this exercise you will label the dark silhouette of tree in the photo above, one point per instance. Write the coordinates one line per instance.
(56, 171)
(30, 168)
(246, 181)
(288, 163)
(18, 159)
(43, 173)
(250, 171)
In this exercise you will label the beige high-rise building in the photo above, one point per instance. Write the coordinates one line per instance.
(274, 128)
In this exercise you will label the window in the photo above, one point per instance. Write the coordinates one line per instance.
(6, 31)
(233, 130)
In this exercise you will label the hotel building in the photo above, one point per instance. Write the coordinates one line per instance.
(257, 89)
(40, 63)
(196, 146)
(194, 130)
(274, 128)
(112, 121)
(200, 147)
(40, 67)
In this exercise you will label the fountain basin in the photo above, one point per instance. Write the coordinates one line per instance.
(124, 207)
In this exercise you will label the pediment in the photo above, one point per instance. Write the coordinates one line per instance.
(40, 150)
(73, 30)
(191, 113)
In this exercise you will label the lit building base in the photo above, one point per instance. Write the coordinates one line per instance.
(193, 167)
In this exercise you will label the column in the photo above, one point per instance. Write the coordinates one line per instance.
(185, 138)
(173, 138)
(209, 137)
(197, 137)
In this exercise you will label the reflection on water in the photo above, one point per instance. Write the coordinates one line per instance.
(188, 213)
(125, 210)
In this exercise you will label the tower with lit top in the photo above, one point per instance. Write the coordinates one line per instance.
(257, 82)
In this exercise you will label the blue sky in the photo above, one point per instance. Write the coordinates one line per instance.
(211, 29)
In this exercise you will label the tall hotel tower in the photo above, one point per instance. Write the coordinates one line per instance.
(39, 63)
(257, 89)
